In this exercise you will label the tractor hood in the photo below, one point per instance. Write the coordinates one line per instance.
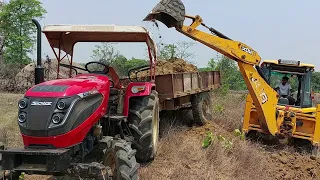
(69, 87)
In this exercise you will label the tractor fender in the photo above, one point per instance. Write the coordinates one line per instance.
(136, 89)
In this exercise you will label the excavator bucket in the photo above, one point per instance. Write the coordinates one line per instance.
(169, 12)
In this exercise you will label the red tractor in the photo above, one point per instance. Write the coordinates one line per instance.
(70, 125)
(95, 125)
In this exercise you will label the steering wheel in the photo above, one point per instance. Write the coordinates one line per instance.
(104, 71)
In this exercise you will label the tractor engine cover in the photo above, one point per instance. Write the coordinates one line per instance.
(59, 113)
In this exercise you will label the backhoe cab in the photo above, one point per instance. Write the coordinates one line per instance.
(296, 90)
(266, 111)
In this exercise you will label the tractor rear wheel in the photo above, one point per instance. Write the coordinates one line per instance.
(144, 125)
(202, 108)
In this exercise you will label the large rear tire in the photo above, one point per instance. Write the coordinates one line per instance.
(202, 108)
(144, 125)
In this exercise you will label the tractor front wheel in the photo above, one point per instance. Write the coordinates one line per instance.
(144, 125)
(202, 108)
(118, 155)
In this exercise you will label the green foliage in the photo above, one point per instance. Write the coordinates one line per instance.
(240, 134)
(315, 82)
(218, 108)
(176, 50)
(18, 29)
(207, 140)
(123, 65)
(230, 74)
(107, 53)
(21, 177)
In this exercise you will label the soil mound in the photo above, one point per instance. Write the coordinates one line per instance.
(171, 66)
(25, 78)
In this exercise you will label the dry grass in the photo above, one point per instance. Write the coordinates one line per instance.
(181, 155)
(8, 119)
(228, 110)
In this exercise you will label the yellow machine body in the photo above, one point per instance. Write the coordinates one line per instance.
(263, 113)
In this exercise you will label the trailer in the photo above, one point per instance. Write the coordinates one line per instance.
(181, 90)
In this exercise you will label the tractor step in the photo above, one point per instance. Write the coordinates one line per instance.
(35, 160)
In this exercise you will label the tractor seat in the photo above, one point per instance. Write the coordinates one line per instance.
(114, 91)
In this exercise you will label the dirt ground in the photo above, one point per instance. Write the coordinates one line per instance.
(181, 156)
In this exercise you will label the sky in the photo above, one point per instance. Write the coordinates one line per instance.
(286, 29)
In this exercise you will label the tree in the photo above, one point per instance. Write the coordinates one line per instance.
(18, 29)
(108, 54)
(231, 76)
(176, 50)
(315, 82)
(105, 52)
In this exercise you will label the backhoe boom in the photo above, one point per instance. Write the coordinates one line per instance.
(264, 97)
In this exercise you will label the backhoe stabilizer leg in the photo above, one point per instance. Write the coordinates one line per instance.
(169, 12)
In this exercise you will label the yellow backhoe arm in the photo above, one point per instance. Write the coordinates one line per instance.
(264, 97)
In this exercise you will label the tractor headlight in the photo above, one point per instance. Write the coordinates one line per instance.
(61, 105)
(22, 117)
(57, 118)
(23, 103)
(136, 89)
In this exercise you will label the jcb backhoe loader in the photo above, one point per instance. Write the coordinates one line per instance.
(266, 111)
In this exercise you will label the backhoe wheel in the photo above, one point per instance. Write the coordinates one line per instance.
(144, 125)
(202, 108)
(120, 157)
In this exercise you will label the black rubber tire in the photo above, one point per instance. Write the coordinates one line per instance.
(143, 116)
(200, 117)
(126, 166)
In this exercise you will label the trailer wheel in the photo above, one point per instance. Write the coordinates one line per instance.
(144, 125)
(201, 108)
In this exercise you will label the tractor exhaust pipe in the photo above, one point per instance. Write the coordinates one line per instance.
(169, 12)
(39, 70)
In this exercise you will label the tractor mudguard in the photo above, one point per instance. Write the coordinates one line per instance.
(135, 89)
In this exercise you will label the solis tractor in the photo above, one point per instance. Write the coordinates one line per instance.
(93, 124)
(74, 126)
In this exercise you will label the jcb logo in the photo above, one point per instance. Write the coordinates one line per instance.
(39, 103)
(245, 49)
(264, 98)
